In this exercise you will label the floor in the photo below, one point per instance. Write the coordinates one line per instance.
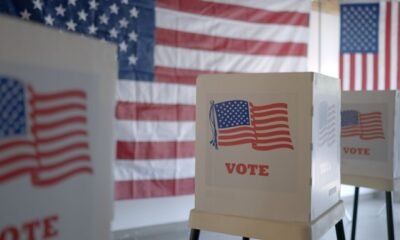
(371, 224)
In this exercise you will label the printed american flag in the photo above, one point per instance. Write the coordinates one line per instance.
(42, 135)
(166, 44)
(327, 124)
(367, 126)
(265, 127)
(369, 46)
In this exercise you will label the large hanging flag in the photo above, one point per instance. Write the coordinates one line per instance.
(369, 45)
(165, 45)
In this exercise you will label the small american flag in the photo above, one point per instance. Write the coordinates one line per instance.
(367, 126)
(42, 135)
(369, 45)
(265, 127)
(327, 124)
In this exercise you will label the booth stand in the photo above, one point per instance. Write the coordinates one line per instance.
(370, 140)
(262, 142)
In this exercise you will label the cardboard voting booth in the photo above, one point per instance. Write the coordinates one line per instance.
(370, 139)
(56, 144)
(267, 154)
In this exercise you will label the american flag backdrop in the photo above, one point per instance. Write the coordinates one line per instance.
(366, 126)
(163, 46)
(264, 127)
(369, 45)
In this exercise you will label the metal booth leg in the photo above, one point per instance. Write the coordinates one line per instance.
(340, 230)
(389, 215)
(355, 208)
(194, 234)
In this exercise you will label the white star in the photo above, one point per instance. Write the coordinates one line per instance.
(93, 4)
(133, 36)
(104, 19)
(71, 25)
(123, 23)
(60, 10)
(92, 29)
(114, 9)
(123, 47)
(49, 20)
(113, 33)
(125, 1)
(132, 59)
(82, 15)
(72, 2)
(134, 12)
(37, 4)
(25, 15)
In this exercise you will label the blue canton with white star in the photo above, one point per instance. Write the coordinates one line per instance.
(12, 108)
(350, 118)
(127, 23)
(232, 113)
(359, 32)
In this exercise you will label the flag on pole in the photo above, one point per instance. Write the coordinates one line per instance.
(162, 47)
(369, 45)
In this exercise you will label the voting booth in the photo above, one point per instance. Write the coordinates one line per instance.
(267, 155)
(56, 143)
(370, 138)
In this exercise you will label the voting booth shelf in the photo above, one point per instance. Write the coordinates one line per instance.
(370, 138)
(57, 95)
(267, 153)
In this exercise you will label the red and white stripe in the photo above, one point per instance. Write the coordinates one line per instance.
(17, 158)
(369, 71)
(271, 125)
(155, 121)
(229, 36)
(155, 139)
(59, 127)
